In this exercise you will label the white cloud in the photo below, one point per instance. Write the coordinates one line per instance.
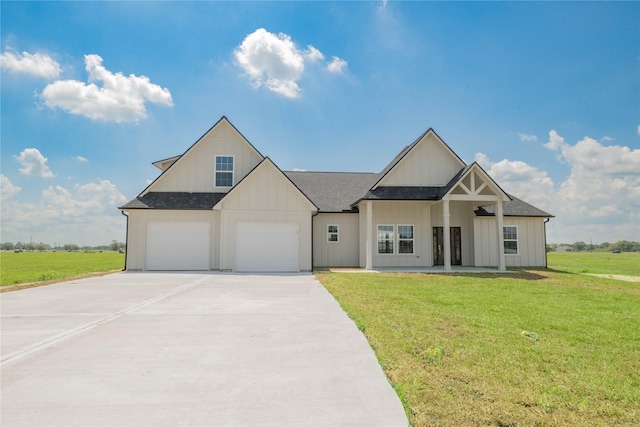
(85, 214)
(520, 179)
(271, 60)
(638, 129)
(599, 199)
(337, 65)
(7, 189)
(313, 54)
(34, 163)
(120, 99)
(82, 159)
(299, 170)
(37, 64)
(275, 62)
(526, 137)
(555, 141)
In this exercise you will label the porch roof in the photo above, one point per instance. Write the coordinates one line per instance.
(514, 207)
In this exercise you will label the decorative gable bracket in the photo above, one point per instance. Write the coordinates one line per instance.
(476, 185)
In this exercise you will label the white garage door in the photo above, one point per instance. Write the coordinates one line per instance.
(178, 245)
(267, 246)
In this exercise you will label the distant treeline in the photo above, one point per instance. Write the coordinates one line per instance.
(70, 247)
(621, 246)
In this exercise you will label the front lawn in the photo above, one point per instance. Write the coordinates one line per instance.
(454, 350)
(626, 263)
(26, 267)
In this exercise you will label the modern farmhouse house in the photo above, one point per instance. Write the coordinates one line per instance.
(222, 205)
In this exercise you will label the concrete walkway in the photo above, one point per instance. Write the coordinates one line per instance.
(176, 349)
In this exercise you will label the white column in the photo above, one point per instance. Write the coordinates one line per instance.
(369, 233)
(446, 235)
(499, 225)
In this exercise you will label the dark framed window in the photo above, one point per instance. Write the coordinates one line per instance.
(510, 235)
(385, 239)
(224, 171)
(405, 239)
(332, 233)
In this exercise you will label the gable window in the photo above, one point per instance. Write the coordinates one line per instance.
(385, 239)
(332, 233)
(224, 171)
(510, 234)
(405, 239)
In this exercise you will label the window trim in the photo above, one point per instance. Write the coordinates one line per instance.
(215, 171)
(412, 239)
(505, 240)
(393, 239)
(337, 233)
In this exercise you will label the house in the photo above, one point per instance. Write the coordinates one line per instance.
(564, 248)
(222, 205)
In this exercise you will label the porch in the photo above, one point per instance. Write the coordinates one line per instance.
(425, 270)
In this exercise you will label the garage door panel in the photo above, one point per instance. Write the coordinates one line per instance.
(178, 245)
(267, 247)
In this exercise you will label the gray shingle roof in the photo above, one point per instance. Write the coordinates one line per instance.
(404, 193)
(174, 200)
(515, 207)
(333, 191)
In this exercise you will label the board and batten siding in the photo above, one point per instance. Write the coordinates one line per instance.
(531, 242)
(430, 163)
(417, 214)
(264, 196)
(344, 252)
(137, 228)
(196, 171)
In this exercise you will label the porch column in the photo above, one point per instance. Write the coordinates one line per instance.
(446, 235)
(499, 225)
(369, 234)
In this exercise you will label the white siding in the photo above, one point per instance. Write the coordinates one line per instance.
(344, 252)
(531, 242)
(137, 229)
(417, 214)
(195, 170)
(266, 195)
(430, 163)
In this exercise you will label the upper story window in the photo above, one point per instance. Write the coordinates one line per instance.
(224, 171)
(332, 233)
(510, 234)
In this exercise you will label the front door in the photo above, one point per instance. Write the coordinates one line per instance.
(438, 245)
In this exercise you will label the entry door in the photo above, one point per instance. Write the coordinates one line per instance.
(438, 245)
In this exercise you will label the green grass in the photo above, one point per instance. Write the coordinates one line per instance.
(25, 267)
(452, 345)
(626, 263)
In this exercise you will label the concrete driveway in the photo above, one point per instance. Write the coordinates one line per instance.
(188, 349)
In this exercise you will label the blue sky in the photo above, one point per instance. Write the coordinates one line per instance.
(545, 96)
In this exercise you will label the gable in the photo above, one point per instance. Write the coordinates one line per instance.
(428, 162)
(194, 171)
(266, 188)
(473, 183)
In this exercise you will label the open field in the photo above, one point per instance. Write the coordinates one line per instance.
(626, 263)
(27, 267)
(453, 348)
